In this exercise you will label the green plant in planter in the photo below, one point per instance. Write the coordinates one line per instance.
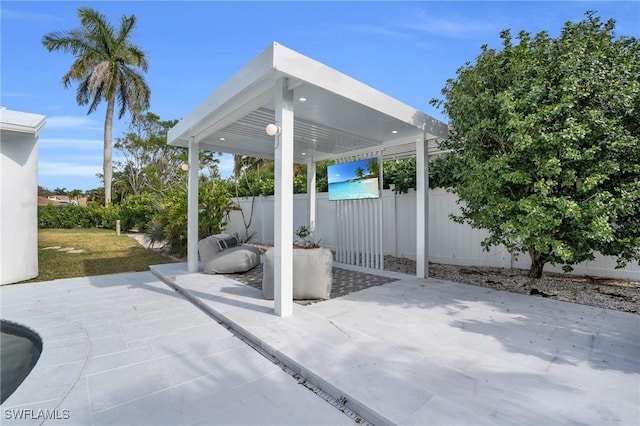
(302, 233)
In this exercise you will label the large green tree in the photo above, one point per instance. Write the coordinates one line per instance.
(545, 144)
(149, 163)
(107, 68)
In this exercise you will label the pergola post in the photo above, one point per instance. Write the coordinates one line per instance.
(192, 207)
(422, 207)
(283, 220)
(311, 192)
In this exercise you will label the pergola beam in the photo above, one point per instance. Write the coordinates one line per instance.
(239, 107)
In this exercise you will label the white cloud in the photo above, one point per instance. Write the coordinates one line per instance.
(71, 122)
(372, 30)
(456, 27)
(46, 168)
(75, 143)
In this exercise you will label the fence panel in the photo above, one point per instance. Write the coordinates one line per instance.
(449, 242)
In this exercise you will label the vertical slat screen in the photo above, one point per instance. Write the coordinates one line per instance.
(359, 226)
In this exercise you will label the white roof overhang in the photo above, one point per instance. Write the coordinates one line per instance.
(340, 116)
(21, 122)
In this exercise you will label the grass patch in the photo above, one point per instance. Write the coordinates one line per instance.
(104, 252)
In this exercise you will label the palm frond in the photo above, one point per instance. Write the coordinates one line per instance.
(82, 93)
(106, 64)
(98, 97)
(134, 93)
(126, 27)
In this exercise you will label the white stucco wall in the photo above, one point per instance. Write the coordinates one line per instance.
(18, 195)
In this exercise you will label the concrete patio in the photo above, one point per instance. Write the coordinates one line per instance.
(421, 352)
(127, 349)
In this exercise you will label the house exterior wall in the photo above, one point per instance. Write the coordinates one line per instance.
(449, 242)
(18, 206)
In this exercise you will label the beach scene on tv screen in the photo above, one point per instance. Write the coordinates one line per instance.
(353, 180)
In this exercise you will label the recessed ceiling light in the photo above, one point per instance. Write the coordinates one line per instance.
(222, 139)
(302, 99)
(394, 131)
(304, 153)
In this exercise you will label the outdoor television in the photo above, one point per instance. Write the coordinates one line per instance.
(354, 180)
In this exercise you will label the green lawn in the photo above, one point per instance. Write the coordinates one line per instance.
(104, 253)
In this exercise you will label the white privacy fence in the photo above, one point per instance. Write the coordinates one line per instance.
(359, 224)
(358, 237)
(449, 242)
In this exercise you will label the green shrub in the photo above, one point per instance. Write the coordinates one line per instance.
(170, 223)
(401, 173)
(108, 216)
(73, 216)
(137, 211)
(94, 211)
(214, 207)
(48, 217)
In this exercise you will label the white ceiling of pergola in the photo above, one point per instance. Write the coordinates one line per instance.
(340, 116)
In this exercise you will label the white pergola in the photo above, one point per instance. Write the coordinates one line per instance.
(321, 114)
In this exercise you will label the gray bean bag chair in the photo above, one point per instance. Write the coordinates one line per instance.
(222, 254)
(312, 274)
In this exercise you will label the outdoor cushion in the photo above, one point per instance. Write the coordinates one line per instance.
(208, 247)
(312, 274)
(226, 241)
(238, 258)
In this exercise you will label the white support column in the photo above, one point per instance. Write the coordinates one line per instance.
(311, 193)
(422, 207)
(392, 223)
(263, 235)
(192, 208)
(381, 209)
(283, 220)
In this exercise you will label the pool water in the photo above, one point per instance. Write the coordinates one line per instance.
(20, 349)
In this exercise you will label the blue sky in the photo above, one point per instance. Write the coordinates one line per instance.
(405, 49)
(346, 171)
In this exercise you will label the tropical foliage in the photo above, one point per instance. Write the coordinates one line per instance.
(257, 177)
(170, 222)
(137, 211)
(254, 177)
(401, 173)
(107, 68)
(546, 149)
(150, 164)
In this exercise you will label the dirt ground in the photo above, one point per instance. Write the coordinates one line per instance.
(618, 294)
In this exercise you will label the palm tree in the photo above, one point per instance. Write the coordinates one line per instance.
(106, 68)
(359, 172)
(74, 195)
(372, 167)
(241, 163)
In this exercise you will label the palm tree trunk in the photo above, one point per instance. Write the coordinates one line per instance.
(107, 164)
